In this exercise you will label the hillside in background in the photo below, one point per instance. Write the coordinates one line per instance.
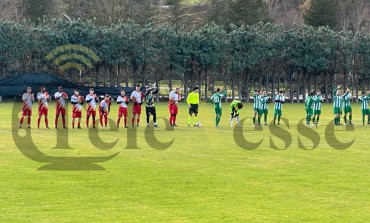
(349, 14)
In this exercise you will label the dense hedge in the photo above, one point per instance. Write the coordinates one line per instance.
(247, 57)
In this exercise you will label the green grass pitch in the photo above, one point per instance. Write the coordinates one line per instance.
(204, 176)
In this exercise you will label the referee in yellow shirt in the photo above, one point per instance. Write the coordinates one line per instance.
(193, 102)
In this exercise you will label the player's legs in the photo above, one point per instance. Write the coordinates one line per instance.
(120, 114)
(308, 118)
(93, 113)
(336, 116)
(275, 114)
(195, 110)
(64, 117)
(118, 120)
(105, 119)
(154, 113)
(363, 116)
(79, 122)
(24, 114)
(87, 119)
(21, 121)
(218, 111)
(57, 113)
(232, 119)
(350, 114)
(46, 118)
(174, 112)
(255, 113)
(73, 121)
(29, 120)
(190, 116)
(148, 113)
(195, 118)
(101, 114)
(260, 112)
(280, 112)
(265, 113)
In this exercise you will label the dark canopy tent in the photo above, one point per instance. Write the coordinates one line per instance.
(17, 85)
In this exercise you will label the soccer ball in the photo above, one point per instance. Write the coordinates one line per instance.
(235, 124)
(198, 125)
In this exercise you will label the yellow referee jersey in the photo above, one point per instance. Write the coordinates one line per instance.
(193, 98)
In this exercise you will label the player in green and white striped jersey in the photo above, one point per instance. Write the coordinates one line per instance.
(279, 101)
(317, 108)
(365, 107)
(337, 105)
(347, 97)
(308, 107)
(263, 110)
(216, 100)
(256, 104)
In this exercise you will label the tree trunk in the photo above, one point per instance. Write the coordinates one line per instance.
(326, 88)
(205, 85)
(304, 85)
(247, 87)
(232, 87)
(298, 93)
(199, 84)
(290, 74)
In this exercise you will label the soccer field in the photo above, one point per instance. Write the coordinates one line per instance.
(205, 175)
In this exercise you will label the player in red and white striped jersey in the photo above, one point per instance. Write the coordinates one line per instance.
(60, 106)
(173, 100)
(104, 110)
(122, 102)
(43, 97)
(77, 102)
(28, 98)
(138, 98)
(91, 99)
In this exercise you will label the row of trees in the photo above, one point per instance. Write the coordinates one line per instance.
(246, 58)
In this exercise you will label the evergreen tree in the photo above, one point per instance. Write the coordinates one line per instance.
(322, 13)
(238, 12)
(35, 9)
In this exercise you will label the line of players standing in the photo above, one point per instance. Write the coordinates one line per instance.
(93, 105)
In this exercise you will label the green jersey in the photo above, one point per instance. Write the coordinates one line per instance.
(279, 101)
(337, 100)
(347, 99)
(317, 102)
(365, 102)
(234, 106)
(265, 102)
(309, 102)
(216, 99)
(256, 101)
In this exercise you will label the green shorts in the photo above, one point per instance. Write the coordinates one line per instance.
(218, 111)
(256, 110)
(365, 111)
(336, 111)
(309, 111)
(347, 109)
(264, 111)
(317, 112)
(278, 112)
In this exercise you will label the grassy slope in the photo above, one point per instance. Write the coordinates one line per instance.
(204, 176)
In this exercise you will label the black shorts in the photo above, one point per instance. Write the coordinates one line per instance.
(193, 109)
(150, 111)
(234, 113)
